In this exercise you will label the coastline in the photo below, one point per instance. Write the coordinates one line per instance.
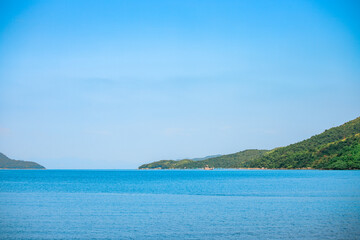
(244, 169)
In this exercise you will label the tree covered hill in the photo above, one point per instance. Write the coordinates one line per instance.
(235, 160)
(335, 148)
(204, 158)
(7, 163)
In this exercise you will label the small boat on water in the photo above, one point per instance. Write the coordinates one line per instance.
(208, 168)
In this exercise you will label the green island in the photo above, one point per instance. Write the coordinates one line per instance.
(7, 163)
(335, 148)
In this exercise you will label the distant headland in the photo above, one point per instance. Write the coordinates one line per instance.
(7, 163)
(335, 148)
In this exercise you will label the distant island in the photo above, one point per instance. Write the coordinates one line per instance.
(203, 158)
(7, 163)
(335, 148)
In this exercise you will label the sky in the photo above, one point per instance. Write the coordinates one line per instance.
(114, 84)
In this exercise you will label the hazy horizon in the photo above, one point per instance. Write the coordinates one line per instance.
(115, 84)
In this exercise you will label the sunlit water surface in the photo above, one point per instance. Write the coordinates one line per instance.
(175, 204)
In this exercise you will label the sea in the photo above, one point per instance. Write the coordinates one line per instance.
(179, 204)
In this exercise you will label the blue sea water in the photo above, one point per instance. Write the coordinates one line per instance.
(179, 204)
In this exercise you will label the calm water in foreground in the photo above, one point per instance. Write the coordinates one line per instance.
(174, 204)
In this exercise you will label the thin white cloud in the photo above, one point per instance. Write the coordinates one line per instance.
(98, 132)
(5, 131)
(174, 131)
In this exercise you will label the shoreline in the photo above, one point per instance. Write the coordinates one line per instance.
(243, 169)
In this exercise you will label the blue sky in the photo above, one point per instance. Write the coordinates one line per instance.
(114, 84)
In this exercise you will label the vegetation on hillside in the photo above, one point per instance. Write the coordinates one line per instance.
(7, 163)
(313, 151)
(336, 148)
(343, 154)
(235, 160)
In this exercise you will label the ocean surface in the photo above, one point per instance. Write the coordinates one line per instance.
(179, 204)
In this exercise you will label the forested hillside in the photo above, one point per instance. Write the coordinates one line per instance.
(335, 148)
(7, 163)
(235, 160)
